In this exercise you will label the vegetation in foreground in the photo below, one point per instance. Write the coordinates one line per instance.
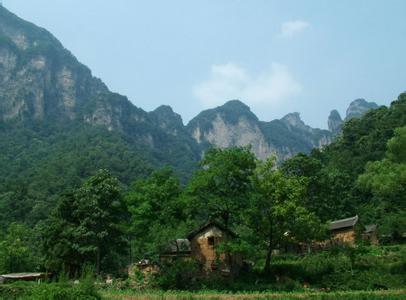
(63, 289)
(69, 292)
(350, 295)
(341, 269)
(370, 272)
(107, 225)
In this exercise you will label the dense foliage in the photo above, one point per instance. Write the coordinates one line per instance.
(60, 290)
(62, 223)
(362, 172)
(83, 182)
(41, 161)
(157, 212)
(88, 226)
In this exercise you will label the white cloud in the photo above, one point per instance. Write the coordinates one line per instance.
(230, 81)
(291, 28)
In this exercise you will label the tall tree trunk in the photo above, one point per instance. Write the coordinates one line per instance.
(131, 249)
(226, 217)
(267, 266)
(228, 260)
(98, 260)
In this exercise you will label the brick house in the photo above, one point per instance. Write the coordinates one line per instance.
(343, 231)
(202, 245)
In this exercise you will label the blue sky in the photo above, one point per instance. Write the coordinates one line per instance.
(276, 56)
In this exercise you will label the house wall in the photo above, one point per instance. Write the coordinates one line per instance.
(346, 236)
(371, 237)
(206, 253)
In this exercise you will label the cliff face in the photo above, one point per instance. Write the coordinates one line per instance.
(358, 108)
(168, 120)
(38, 77)
(233, 124)
(335, 122)
(224, 134)
(41, 81)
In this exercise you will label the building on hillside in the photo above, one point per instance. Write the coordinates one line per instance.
(370, 234)
(22, 277)
(202, 245)
(177, 248)
(343, 231)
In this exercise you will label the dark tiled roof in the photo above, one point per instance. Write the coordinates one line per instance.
(344, 223)
(23, 275)
(207, 225)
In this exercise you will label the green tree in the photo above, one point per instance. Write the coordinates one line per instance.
(276, 215)
(17, 250)
(323, 183)
(386, 181)
(157, 212)
(221, 188)
(88, 226)
(302, 165)
(334, 193)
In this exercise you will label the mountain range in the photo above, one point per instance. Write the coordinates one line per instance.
(52, 106)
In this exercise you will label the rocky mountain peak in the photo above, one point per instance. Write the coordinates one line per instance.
(41, 80)
(356, 109)
(236, 104)
(334, 122)
(166, 117)
(166, 112)
(359, 107)
(293, 119)
(233, 110)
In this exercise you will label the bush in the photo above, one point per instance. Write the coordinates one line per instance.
(50, 291)
(315, 267)
(14, 291)
(176, 275)
(398, 268)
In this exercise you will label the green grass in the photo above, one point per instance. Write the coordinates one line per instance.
(173, 295)
(48, 291)
(374, 273)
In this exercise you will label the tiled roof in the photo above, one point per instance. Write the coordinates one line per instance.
(22, 275)
(207, 225)
(343, 223)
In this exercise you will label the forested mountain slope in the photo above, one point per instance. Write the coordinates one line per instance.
(59, 125)
(41, 82)
(363, 172)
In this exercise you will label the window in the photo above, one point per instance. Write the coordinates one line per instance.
(210, 240)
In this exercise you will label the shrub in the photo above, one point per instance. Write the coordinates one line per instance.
(50, 291)
(398, 268)
(177, 274)
(14, 291)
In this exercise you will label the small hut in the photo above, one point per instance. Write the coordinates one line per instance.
(177, 248)
(343, 231)
(201, 245)
(370, 234)
(204, 244)
(22, 277)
